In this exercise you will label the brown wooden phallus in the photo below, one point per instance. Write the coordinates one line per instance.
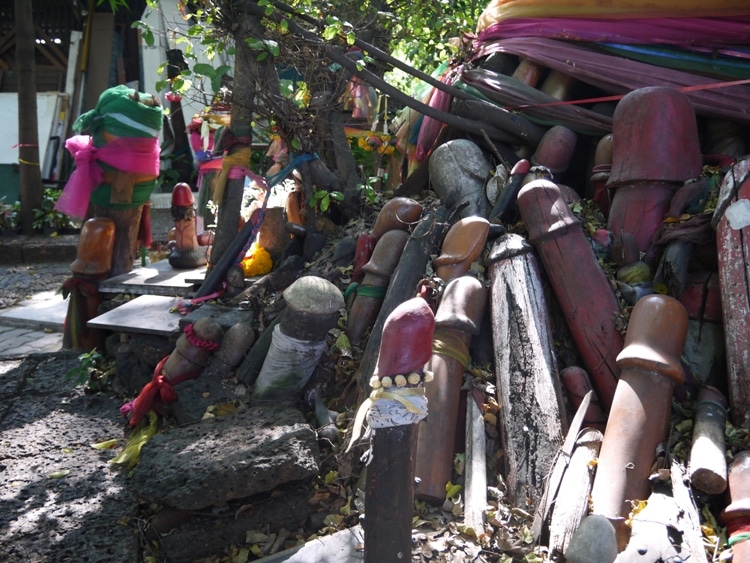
(371, 291)
(397, 213)
(92, 264)
(639, 417)
(462, 245)
(457, 319)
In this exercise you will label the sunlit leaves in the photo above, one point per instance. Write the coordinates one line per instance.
(146, 32)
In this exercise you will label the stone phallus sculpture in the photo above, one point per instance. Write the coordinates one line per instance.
(459, 170)
(187, 253)
(313, 306)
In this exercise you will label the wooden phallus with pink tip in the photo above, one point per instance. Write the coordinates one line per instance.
(393, 410)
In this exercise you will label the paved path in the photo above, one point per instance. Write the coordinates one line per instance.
(34, 326)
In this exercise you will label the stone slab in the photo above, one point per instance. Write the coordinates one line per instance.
(159, 278)
(45, 310)
(146, 314)
(225, 458)
(346, 546)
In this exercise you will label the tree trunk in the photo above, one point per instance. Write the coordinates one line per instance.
(243, 105)
(28, 137)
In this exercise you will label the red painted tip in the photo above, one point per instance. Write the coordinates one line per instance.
(182, 195)
(406, 345)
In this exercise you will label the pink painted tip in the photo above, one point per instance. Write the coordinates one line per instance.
(127, 408)
(521, 167)
(406, 345)
(601, 237)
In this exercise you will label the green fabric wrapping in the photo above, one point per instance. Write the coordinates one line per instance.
(121, 112)
(141, 195)
(120, 115)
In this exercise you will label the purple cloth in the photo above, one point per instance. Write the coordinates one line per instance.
(616, 75)
(683, 32)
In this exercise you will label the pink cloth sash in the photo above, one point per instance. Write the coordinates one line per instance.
(135, 155)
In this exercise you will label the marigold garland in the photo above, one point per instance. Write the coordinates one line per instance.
(257, 261)
(374, 143)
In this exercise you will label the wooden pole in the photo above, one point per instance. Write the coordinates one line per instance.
(534, 416)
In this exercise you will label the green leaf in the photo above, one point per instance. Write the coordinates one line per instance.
(255, 44)
(350, 38)
(205, 69)
(296, 145)
(338, 196)
(342, 342)
(273, 48)
(161, 85)
(262, 56)
(324, 203)
(196, 30)
(216, 82)
(284, 26)
(148, 37)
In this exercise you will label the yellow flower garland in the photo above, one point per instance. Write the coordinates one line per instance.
(257, 261)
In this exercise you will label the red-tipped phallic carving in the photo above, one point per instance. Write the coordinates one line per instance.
(581, 287)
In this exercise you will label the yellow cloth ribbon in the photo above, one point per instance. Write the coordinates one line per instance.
(448, 343)
(240, 157)
(132, 450)
(398, 394)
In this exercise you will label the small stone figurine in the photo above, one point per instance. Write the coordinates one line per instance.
(187, 254)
